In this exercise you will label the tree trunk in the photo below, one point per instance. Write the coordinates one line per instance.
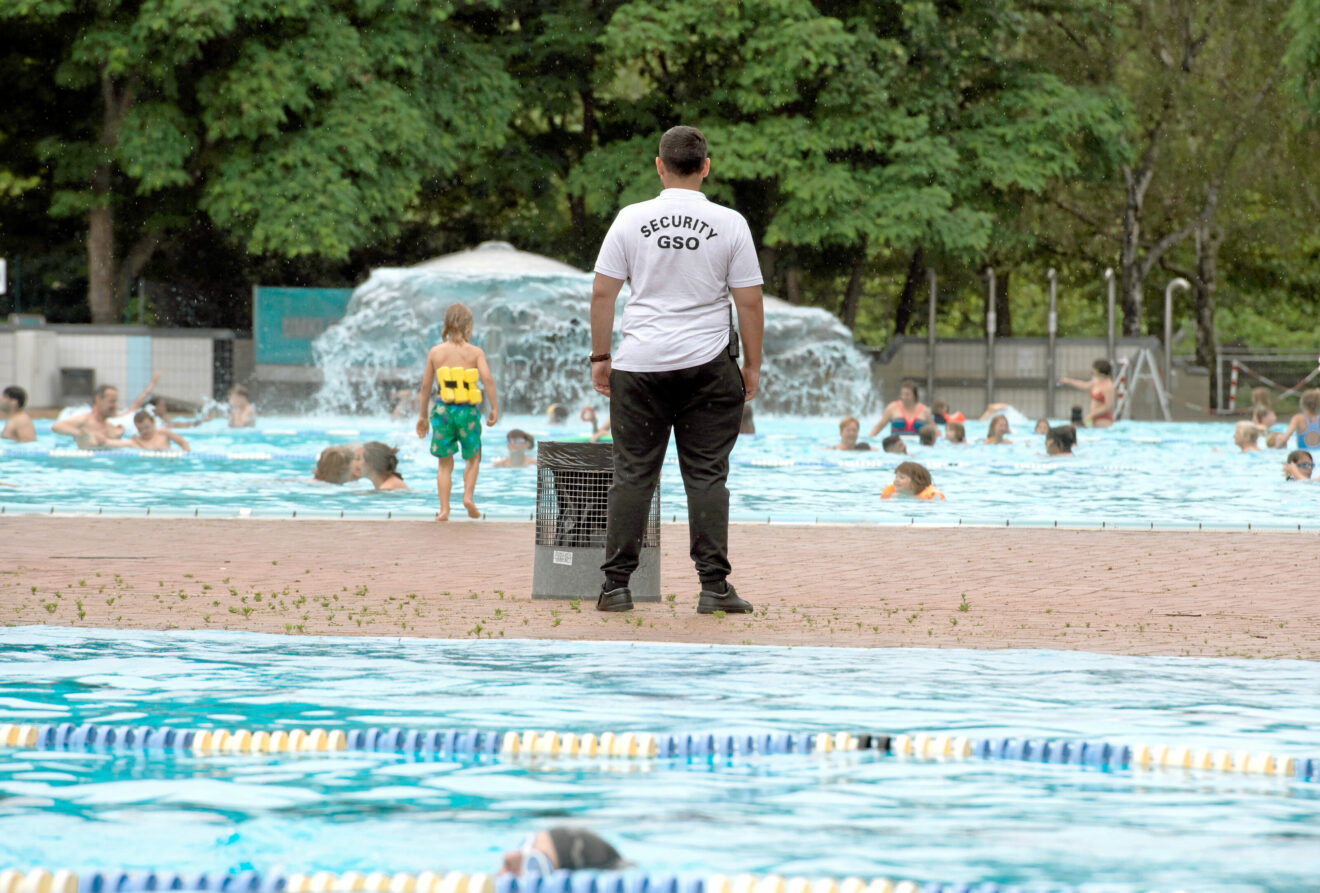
(853, 294)
(907, 299)
(1003, 315)
(793, 286)
(1131, 278)
(101, 252)
(1203, 298)
(103, 291)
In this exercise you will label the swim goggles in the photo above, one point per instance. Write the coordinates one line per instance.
(534, 861)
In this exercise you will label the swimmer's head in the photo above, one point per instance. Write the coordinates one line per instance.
(1310, 401)
(458, 322)
(238, 397)
(379, 458)
(939, 407)
(911, 477)
(1103, 369)
(1303, 460)
(954, 432)
(557, 413)
(893, 444)
(14, 399)
(145, 422)
(928, 435)
(1260, 397)
(849, 428)
(519, 441)
(1061, 440)
(999, 426)
(105, 400)
(1042, 426)
(335, 464)
(561, 847)
(908, 394)
(1245, 434)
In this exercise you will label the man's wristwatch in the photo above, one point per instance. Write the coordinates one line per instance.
(599, 357)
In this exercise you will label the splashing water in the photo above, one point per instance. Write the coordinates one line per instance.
(530, 315)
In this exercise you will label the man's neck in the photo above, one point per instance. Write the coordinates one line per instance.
(693, 183)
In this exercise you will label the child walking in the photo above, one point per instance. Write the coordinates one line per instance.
(453, 367)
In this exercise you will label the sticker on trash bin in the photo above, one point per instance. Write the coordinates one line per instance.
(564, 558)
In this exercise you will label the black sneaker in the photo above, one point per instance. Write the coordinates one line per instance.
(614, 599)
(710, 601)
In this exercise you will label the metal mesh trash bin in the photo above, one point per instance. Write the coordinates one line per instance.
(572, 486)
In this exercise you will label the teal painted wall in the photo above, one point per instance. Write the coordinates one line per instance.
(285, 321)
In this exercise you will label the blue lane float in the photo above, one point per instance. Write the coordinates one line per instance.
(460, 744)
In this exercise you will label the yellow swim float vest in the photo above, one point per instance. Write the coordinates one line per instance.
(458, 385)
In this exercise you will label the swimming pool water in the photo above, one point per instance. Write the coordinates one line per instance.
(1134, 474)
(827, 815)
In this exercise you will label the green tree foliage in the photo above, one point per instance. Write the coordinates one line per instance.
(300, 128)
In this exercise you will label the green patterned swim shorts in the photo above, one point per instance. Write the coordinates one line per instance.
(455, 425)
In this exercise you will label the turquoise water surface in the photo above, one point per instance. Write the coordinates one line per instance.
(1136, 474)
(823, 815)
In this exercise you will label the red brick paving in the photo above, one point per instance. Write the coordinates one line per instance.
(1131, 592)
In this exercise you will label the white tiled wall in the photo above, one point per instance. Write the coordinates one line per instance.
(185, 366)
(7, 359)
(107, 354)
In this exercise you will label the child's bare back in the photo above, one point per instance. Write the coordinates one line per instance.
(450, 353)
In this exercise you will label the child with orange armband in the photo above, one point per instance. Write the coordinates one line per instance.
(912, 480)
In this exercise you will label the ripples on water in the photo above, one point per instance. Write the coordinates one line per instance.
(839, 815)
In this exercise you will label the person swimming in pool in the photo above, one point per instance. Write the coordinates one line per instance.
(149, 436)
(18, 424)
(519, 443)
(380, 464)
(911, 479)
(940, 412)
(955, 432)
(562, 847)
(339, 464)
(1101, 390)
(893, 444)
(1306, 423)
(904, 415)
(1246, 435)
(1261, 412)
(1061, 440)
(849, 429)
(1299, 466)
(929, 434)
(997, 431)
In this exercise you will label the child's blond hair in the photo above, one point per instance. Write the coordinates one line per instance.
(458, 321)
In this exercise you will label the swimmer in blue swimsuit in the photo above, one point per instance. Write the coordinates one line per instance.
(1306, 424)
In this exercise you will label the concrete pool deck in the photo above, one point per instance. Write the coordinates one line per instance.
(1209, 594)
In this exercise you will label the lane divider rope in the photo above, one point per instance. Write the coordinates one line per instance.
(65, 881)
(644, 745)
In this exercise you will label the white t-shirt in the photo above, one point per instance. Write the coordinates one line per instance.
(683, 253)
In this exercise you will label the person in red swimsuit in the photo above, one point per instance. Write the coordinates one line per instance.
(905, 414)
(1101, 390)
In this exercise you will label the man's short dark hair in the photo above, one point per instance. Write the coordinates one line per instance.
(683, 150)
(17, 394)
(100, 391)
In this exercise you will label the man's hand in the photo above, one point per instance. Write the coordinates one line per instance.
(751, 378)
(423, 426)
(600, 377)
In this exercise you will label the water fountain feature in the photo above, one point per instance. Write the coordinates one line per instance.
(531, 318)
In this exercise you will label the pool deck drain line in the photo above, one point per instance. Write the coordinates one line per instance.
(40, 880)
(928, 746)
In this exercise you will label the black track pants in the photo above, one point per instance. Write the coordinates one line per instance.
(703, 406)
